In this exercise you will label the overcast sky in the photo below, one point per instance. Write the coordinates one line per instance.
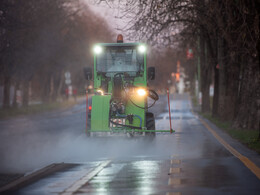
(109, 13)
(112, 14)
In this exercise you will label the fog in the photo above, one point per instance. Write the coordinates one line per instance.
(32, 142)
(27, 152)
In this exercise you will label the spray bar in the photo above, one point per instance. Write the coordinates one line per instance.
(133, 130)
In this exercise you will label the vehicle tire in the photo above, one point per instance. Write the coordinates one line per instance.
(88, 125)
(150, 124)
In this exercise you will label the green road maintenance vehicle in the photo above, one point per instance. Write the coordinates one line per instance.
(120, 102)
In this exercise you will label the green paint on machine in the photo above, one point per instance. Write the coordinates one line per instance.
(120, 87)
(100, 113)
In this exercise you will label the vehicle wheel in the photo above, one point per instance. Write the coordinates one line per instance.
(150, 124)
(88, 125)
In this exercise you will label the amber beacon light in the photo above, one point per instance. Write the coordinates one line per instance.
(120, 38)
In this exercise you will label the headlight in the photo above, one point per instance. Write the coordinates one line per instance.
(100, 92)
(142, 48)
(97, 49)
(141, 92)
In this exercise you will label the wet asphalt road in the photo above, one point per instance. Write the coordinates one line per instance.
(190, 161)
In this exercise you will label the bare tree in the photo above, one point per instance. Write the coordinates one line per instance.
(228, 33)
(43, 38)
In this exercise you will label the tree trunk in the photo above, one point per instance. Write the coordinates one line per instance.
(7, 85)
(16, 86)
(192, 86)
(25, 93)
(216, 91)
(57, 79)
(231, 97)
(222, 77)
(213, 56)
(205, 77)
(46, 89)
(192, 77)
(59, 90)
(248, 114)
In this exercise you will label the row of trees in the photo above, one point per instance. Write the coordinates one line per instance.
(166, 64)
(225, 37)
(40, 40)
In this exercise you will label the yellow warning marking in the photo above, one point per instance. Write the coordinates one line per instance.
(175, 170)
(248, 163)
(173, 193)
(175, 161)
(174, 181)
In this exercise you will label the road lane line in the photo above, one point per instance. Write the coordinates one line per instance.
(248, 163)
(174, 181)
(85, 179)
(175, 161)
(175, 170)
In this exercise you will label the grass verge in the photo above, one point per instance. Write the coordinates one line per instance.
(34, 109)
(246, 136)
